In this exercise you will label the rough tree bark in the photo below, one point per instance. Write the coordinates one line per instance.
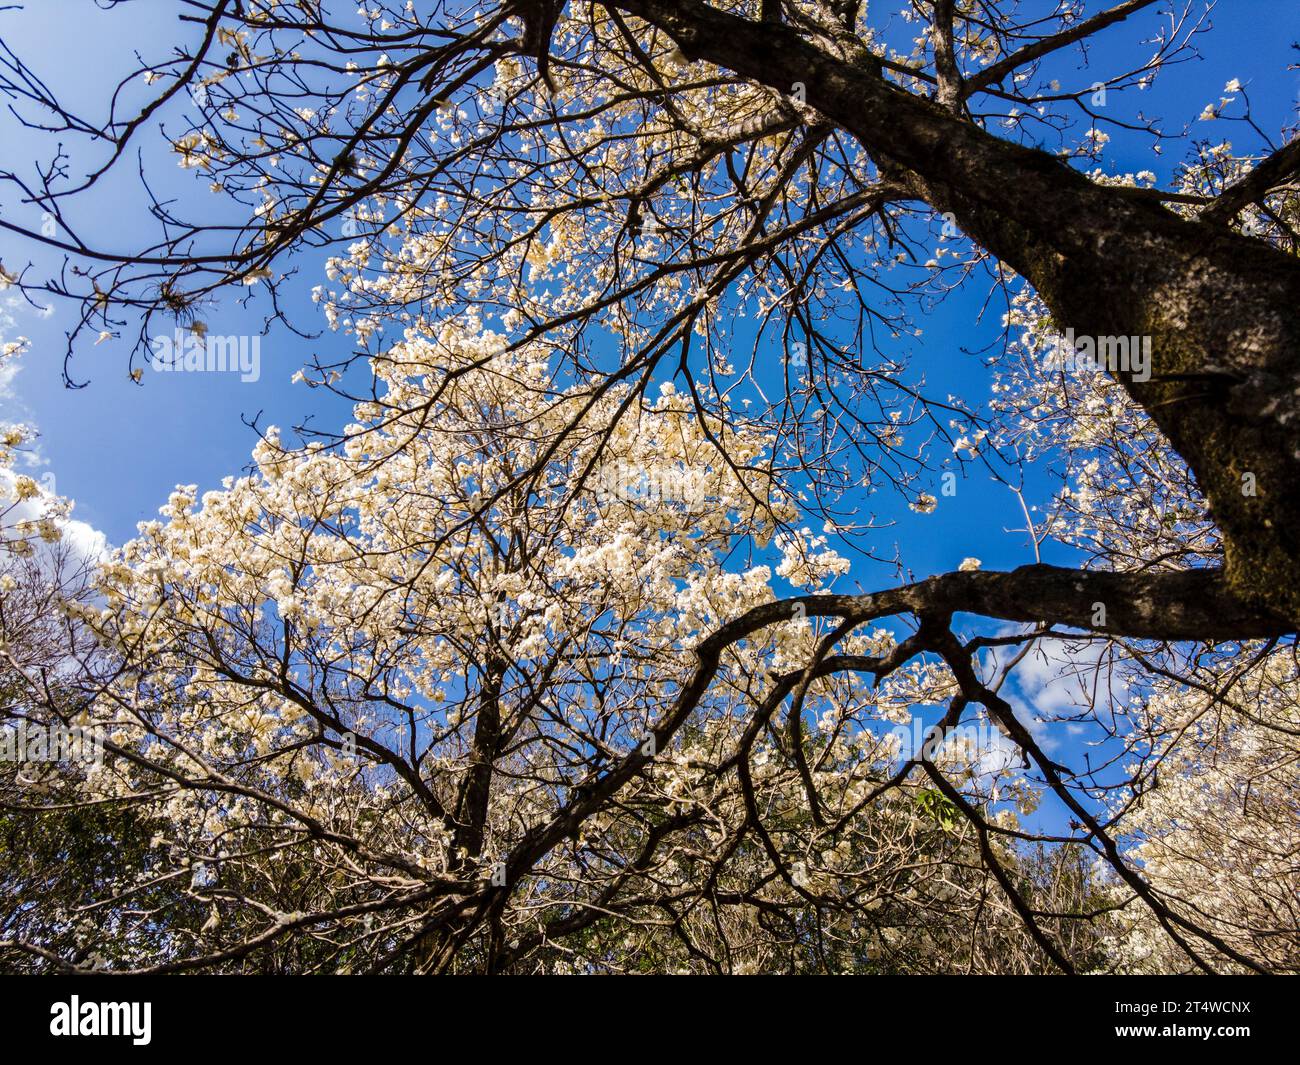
(1220, 308)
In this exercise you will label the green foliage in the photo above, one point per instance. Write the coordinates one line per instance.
(938, 808)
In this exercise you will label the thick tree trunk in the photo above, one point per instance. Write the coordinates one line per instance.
(472, 809)
(1220, 309)
(1221, 312)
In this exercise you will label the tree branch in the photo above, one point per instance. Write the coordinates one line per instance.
(995, 72)
(1277, 169)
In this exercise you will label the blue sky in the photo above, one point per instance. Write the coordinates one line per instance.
(118, 449)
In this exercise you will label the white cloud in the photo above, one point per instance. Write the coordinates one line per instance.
(85, 541)
(8, 367)
(1063, 679)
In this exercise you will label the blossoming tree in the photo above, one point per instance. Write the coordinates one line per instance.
(494, 678)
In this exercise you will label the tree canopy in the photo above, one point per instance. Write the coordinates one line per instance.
(545, 661)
